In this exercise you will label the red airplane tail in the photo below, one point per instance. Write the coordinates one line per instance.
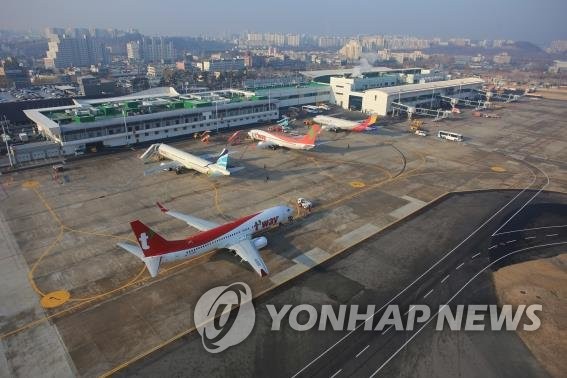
(311, 135)
(151, 242)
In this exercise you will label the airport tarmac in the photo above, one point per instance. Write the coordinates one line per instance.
(61, 230)
(388, 268)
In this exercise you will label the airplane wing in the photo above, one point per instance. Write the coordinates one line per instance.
(198, 223)
(248, 252)
(170, 165)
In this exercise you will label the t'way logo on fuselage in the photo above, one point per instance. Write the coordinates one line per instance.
(262, 224)
(270, 222)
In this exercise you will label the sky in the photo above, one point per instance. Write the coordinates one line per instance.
(538, 21)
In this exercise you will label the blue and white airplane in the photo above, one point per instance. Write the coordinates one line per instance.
(180, 160)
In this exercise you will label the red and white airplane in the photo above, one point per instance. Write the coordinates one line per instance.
(339, 124)
(236, 236)
(273, 139)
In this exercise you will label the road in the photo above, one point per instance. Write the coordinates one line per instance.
(442, 255)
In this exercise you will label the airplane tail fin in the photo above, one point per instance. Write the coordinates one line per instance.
(312, 134)
(150, 242)
(371, 120)
(222, 161)
(152, 263)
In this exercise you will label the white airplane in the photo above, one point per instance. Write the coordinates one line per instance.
(183, 160)
(274, 140)
(339, 124)
(153, 249)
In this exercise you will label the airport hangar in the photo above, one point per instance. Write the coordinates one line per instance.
(162, 113)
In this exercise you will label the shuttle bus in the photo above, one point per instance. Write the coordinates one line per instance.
(450, 136)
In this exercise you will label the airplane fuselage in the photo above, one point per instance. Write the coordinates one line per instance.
(336, 124)
(190, 161)
(272, 139)
(229, 234)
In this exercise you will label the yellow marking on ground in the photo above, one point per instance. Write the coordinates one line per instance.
(374, 185)
(59, 313)
(101, 234)
(83, 301)
(126, 285)
(47, 206)
(55, 299)
(41, 257)
(30, 184)
(498, 169)
(191, 329)
(357, 184)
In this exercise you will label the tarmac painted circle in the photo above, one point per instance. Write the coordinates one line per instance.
(357, 184)
(498, 169)
(55, 298)
(30, 184)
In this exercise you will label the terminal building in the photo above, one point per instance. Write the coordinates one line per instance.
(151, 115)
(423, 95)
(162, 113)
(373, 90)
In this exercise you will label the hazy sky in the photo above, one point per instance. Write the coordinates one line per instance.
(534, 20)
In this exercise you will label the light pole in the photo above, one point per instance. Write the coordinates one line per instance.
(5, 136)
(217, 115)
(125, 127)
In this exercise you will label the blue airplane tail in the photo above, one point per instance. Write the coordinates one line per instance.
(222, 161)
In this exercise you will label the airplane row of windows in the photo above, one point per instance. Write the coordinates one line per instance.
(214, 242)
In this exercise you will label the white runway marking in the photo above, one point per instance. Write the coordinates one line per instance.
(453, 297)
(551, 235)
(424, 273)
(362, 351)
(510, 241)
(387, 329)
(530, 229)
(460, 266)
(337, 373)
(408, 311)
(429, 292)
(525, 204)
(475, 256)
(445, 278)
(494, 246)
(529, 237)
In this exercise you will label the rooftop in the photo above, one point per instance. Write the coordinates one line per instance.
(266, 91)
(342, 71)
(427, 86)
(146, 102)
(350, 71)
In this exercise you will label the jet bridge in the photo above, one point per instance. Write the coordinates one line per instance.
(500, 97)
(437, 114)
(454, 101)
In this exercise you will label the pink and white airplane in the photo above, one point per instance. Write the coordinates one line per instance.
(274, 140)
(153, 249)
(339, 124)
